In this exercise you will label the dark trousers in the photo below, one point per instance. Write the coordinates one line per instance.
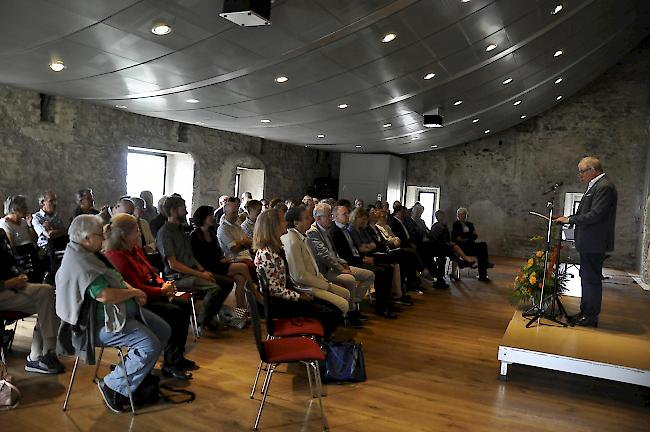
(327, 314)
(383, 284)
(432, 256)
(177, 315)
(591, 270)
(480, 251)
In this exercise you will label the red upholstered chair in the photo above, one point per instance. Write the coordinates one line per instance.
(285, 350)
(7, 337)
(283, 327)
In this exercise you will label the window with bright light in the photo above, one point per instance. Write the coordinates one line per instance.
(146, 171)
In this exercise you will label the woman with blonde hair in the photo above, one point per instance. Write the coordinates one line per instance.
(121, 247)
(271, 261)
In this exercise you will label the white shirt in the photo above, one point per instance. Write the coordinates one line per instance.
(593, 181)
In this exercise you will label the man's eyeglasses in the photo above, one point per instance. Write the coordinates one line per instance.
(584, 170)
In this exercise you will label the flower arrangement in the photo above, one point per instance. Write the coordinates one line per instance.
(528, 281)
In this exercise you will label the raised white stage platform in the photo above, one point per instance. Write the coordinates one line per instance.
(619, 351)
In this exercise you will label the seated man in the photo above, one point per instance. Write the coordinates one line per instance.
(253, 210)
(345, 248)
(22, 237)
(150, 210)
(219, 211)
(85, 203)
(439, 234)
(47, 223)
(464, 235)
(356, 280)
(302, 265)
(17, 294)
(176, 250)
(124, 205)
(234, 242)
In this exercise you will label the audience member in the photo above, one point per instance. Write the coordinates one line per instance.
(219, 211)
(464, 235)
(265, 204)
(115, 319)
(232, 239)
(253, 210)
(271, 261)
(123, 205)
(245, 197)
(17, 222)
(146, 241)
(150, 211)
(439, 234)
(17, 294)
(85, 203)
(358, 203)
(46, 222)
(176, 251)
(122, 249)
(156, 223)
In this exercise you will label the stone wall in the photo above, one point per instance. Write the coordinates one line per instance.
(86, 146)
(501, 177)
(645, 240)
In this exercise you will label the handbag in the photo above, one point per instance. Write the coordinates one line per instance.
(344, 362)
(9, 393)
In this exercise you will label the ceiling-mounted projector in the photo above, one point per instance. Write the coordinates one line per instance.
(247, 13)
(433, 118)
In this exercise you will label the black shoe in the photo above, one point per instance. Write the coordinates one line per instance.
(585, 321)
(489, 265)
(463, 264)
(187, 364)
(386, 314)
(114, 401)
(441, 284)
(483, 279)
(353, 322)
(393, 308)
(361, 316)
(405, 300)
(176, 372)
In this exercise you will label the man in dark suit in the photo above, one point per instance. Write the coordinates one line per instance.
(594, 235)
(464, 235)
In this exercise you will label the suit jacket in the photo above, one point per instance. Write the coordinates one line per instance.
(596, 217)
(458, 235)
(400, 231)
(322, 246)
(343, 247)
(302, 264)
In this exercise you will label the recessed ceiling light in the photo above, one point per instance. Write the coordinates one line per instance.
(559, 80)
(464, 1)
(320, 135)
(559, 97)
(434, 146)
(265, 121)
(281, 79)
(161, 29)
(389, 37)
(199, 123)
(523, 116)
(487, 131)
(458, 102)
(192, 100)
(388, 124)
(517, 103)
(57, 66)
(429, 76)
(306, 146)
(507, 81)
(557, 9)
(120, 106)
(557, 53)
(490, 47)
(358, 146)
(414, 137)
(343, 106)
(475, 120)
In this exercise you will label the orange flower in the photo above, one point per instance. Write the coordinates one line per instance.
(532, 279)
(539, 254)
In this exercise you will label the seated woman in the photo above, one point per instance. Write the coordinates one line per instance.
(270, 259)
(464, 235)
(208, 253)
(22, 237)
(119, 320)
(122, 249)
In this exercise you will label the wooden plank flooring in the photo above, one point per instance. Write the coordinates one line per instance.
(435, 368)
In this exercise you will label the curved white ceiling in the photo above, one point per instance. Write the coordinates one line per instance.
(332, 53)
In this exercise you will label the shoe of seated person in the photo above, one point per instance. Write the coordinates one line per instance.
(386, 313)
(176, 372)
(113, 400)
(353, 321)
(362, 316)
(489, 264)
(46, 364)
(483, 278)
(187, 364)
(405, 300)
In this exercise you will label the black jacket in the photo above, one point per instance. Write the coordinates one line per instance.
(458, 235)
(595, 218)
(343, 247)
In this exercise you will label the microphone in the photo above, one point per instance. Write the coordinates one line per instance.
(554, 187)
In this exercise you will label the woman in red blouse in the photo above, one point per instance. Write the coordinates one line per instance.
(121, 248)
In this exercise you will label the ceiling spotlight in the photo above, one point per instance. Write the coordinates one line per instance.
(434, 146)
(475, 120)
(557, 9)
(414, 137)
(358, 146)
(57, 66)
(161, 28)
(343, 106)
(523, 116)
(464, 1)
(487, 131)
(199, 123)
(458, 102)
(265, 121)
(120, 106)
(281, 79)
(507, 81)
(517, 103)
(306, 146)
(192, 100)
(433, 118)
(559, 97)
(557, 53)
(320, 135)
(559, 80)
(429, 76)
(387, 125)
(490, 47)
(389, 37)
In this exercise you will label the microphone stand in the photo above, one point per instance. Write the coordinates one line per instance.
(539, 311)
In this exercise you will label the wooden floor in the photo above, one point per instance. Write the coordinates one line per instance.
(435, 368)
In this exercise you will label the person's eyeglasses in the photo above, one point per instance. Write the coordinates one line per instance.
(584, 170)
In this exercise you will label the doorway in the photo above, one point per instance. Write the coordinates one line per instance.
(249, 180)
(429, 197)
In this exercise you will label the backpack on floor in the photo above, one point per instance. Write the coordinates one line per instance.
(149, 393)
(344, 362)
